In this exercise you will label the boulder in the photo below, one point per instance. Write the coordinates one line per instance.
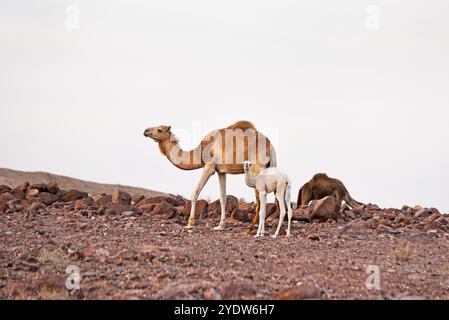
(31, 193)
(201, 209)
(122, 197)
(247, 207)
(118, 208)
(4, 189)
(423, 213)
(137, 198)
(301, 292)
(271, 209)
(52, 187)
(36, 206)
(147, 207)
(39, 186)
(18, 193)
(324, 209)
(18, 205)
(164, 209)
(102, 199)
(157, 199)
(5, 197)
(84, 203)
(23, 186)
(73, 195)
(47, 198)
(240, 215)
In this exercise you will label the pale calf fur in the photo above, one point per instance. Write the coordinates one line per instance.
(267, 181)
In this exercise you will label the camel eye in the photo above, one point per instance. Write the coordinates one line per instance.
(159, 130)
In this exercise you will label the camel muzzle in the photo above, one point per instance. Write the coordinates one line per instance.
(147, 133)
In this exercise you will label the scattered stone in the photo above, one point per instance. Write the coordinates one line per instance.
(137, 198)
(423, 213)
(47, 198)
(31, 193)
(324, 209)
(73, 195)
(313, 237)
(301, 292)
(201, 209)
(36, 206)
(121, 197)
(240, 215)
(164, 208)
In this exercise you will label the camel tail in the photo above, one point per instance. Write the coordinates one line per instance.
(273, 159)
(288, 192)
(352, 203)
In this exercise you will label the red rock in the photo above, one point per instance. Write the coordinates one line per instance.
(102, 199)
(52, 187)
(73, 195)
(423, 213)
(47, 198)
(201, 209)
(18, 194)
(23, 186)
(36, 206)
(157, 199)
(271, 209)
(39, 186)
(137, 198)
(5, 197)
(147, 207)
(240, 215)
(302, 292)
(324, 209)
(164, 208)
(84, 203)
(4, 189)
(31, 194)
(18, 205)
(118, 208)
(247, 207)
(212, 294)
(122, 197)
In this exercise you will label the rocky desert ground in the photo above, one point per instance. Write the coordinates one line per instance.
(131, 246)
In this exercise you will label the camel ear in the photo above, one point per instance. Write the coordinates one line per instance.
(168, 128)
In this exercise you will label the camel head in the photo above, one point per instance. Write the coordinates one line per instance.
(158, 134)
(247, 166)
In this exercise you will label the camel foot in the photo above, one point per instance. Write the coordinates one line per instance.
(220, 227)
(274, 236)
(288, 235)
(190, 224)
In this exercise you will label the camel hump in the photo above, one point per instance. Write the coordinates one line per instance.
(320, 175)
(243, 124)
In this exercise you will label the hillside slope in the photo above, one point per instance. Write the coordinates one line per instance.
(14, 178)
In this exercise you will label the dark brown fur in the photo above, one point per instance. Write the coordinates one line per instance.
(322, 186)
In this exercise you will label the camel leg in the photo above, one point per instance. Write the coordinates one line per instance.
(256, 215)
(222, 180)
(280, 197)
(288, 203)
(263, 209)
(290, 215)
(207, 172)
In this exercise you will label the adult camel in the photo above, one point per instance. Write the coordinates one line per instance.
(222, 151)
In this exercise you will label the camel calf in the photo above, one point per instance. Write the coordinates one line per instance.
(267, 181)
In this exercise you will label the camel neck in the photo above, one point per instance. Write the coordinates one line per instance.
(249, 179)
(181, 159)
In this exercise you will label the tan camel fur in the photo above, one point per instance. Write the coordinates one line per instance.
(222, 151)
(321, 186)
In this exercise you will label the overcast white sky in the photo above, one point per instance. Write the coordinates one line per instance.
(357, 89)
